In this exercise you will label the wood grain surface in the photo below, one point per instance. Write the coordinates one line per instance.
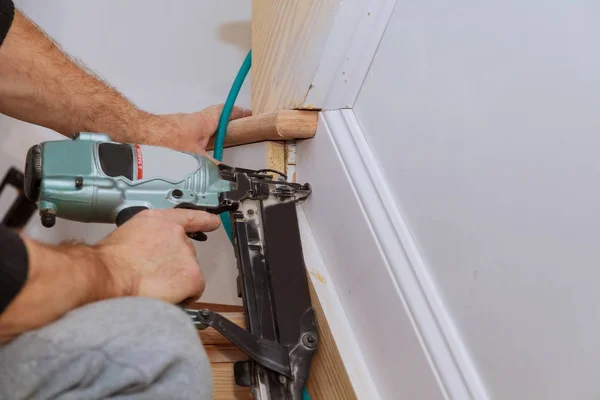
(224, 353)
(328, 378)
(288, 39)
(276, 156)
(281, 125)
(224, 384)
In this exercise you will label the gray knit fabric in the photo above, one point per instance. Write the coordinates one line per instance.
(126, 349)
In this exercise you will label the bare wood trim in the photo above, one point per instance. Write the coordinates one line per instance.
(224, 353)
(215, 307)
(280, 126)
(224, 384)
(328, 377)
(276, 156)
(288, 39)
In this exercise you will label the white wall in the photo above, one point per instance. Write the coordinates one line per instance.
(166, 57)
(484, 117)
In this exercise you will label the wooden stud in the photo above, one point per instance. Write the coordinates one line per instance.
(288, 39)
(276, 156)
(281, 125)
(224, 353)
(224, 387)
(328, 377)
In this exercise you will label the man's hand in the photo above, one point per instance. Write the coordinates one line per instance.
(40, 84)
(188, 132)
(152, 256)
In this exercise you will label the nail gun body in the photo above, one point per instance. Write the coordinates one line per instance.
(92, 179)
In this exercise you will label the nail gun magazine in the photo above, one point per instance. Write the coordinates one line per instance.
(93, 179)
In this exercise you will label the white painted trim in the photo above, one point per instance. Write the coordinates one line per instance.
(346, 342)
(350, 48)
(447, 355)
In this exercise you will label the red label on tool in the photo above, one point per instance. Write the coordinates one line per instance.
(140, 161)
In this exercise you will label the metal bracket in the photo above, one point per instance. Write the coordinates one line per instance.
(281, 334)
(267, 353)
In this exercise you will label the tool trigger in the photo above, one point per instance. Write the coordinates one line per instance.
(199, 236)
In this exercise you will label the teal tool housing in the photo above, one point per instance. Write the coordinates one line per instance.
(92, 179)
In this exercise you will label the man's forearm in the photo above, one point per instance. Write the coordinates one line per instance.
(41, 85)
(60, 279)
(150, 255)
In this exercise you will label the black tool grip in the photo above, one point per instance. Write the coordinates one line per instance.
(128, 213)
(22, 208)
(199, 236)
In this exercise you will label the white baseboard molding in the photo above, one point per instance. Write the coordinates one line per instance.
(407, 338)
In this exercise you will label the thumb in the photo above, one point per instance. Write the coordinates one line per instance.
(190, 220)
(239, 112)
(236, 112)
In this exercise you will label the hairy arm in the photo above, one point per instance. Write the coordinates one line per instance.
(40, 84)
(149, 256)
(60, 278)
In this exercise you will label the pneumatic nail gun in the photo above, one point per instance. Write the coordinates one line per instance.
(93, 179)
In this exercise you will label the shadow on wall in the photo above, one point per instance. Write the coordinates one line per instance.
(237, 33)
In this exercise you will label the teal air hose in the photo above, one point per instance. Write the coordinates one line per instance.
(220, 140)
(305, 395)
(224, 120)
(231, 97)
